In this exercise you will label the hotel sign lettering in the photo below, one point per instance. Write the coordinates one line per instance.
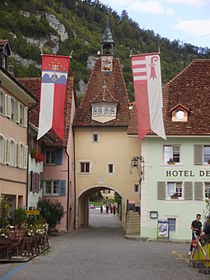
(187, 173)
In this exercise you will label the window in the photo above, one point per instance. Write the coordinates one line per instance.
(172, 224)
(50, 157)
(52, 188)
(12, 153)
(175, 190)
(21, 155)
(110, 168)
(2, 102)
(21, 114)
(171, 154)
(95, 137)
(84, 167)
(179, 115)
(207, 190)
(13, 110)
(206, 154)
(2, 147)
(136, 187)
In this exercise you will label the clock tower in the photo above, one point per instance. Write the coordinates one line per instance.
(107, 49)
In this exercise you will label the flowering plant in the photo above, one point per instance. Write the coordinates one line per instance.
(37, 155)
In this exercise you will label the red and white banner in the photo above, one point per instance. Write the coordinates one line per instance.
(148, 94)
(54, 79)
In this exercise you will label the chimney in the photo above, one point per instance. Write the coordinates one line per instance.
(11, 70)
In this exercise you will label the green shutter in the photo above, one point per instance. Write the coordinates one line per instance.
(198, 191)
(63, 188)
(58, 156)
(198, 154)
(188, 190)
(161, 191)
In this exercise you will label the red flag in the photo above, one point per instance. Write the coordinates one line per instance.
(54, 79)
(148, 94)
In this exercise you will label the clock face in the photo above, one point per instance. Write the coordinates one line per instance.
(106, 63)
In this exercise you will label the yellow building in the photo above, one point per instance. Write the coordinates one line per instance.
(103, 150)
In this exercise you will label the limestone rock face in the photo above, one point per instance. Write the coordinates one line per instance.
(59, 27)
(91, 62)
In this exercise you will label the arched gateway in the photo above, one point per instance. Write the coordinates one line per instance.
(82, 210)
(103, 149)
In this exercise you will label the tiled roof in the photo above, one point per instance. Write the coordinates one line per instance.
(115, 91)
(104, 95)
(3, 44)
(33, 84)
(191, 88)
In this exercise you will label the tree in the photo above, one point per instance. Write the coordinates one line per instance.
(51, 212)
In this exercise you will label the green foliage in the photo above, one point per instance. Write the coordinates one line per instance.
(4, 218)
(19, 216)
(51, 212)
(84, 21)
(97, 196)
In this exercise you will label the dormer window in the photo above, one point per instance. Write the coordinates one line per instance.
(180, 113)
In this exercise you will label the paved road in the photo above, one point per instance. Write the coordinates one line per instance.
(103, 254)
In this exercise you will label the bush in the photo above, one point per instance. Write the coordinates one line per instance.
(51, 212)
(20, 216)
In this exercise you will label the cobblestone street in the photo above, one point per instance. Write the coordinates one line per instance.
(101, 253)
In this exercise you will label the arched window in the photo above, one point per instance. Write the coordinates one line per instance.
(12, 153)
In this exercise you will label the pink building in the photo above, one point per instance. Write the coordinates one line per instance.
(14, 102)
(58, 169)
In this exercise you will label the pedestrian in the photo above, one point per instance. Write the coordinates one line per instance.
(101, 209)
(114, 209)
(206, 228)
(196, 228)
(111, 208)
(107, 209)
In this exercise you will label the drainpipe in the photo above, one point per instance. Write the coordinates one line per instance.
(67, 216)
(74, 181)
(28, 153)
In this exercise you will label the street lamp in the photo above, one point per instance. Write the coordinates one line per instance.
(138, 162)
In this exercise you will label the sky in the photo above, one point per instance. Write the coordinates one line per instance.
(185, 20)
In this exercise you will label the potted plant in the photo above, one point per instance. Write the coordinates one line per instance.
(19, 217)
(171, 161)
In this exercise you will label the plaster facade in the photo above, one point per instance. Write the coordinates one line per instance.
(113, 146)
(182, 210)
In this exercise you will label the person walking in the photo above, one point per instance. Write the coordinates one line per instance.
(196, 228)
(101, 209)
(114, 209)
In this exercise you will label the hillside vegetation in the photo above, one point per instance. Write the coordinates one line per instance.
(84, 22)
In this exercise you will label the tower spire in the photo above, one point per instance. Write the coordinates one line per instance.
(107, 42)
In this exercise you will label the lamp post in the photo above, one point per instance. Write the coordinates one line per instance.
(138, 162)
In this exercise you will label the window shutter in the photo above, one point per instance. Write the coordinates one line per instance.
(63, 188)
(198, 191)
(59, 156)
(25, 116)
(18, 155)
(38, 182)
(5, 104)
(25, 156)
(188, 190)
(8, 151)
(198, 154)
(31, 181)
(18, 112)
(161, 191)
(9, 106)
(4, 150)
(41, 180)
